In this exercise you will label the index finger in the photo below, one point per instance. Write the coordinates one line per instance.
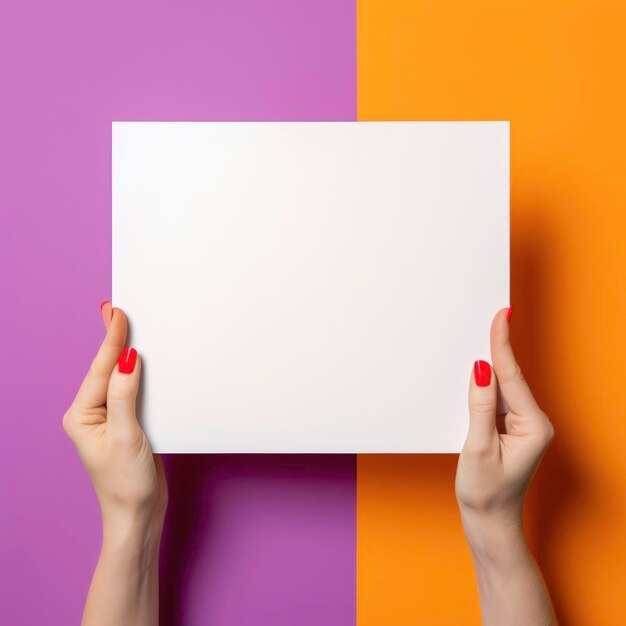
(93, 390)
(514, 387)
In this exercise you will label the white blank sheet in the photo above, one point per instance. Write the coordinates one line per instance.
(309, 286)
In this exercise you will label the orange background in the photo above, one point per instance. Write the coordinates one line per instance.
(557, 71)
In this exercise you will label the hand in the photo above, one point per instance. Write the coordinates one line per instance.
(102, 422)
(495, 468)
(128, 479)
(494, 471)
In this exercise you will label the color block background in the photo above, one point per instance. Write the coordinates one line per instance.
(555, 70)
(271, 540)
(249, 540)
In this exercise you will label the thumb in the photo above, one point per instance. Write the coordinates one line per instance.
(482, 406)
(122, 392)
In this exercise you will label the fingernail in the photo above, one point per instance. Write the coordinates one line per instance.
(127, 361)
(509, 313)
(103, 303)
(482, 373)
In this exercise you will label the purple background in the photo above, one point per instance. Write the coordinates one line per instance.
(250, 539)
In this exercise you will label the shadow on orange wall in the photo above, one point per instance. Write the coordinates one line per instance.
(554, 69)
(558, 487)
(410, 533)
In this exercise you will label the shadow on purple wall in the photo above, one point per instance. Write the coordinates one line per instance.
(252, 535)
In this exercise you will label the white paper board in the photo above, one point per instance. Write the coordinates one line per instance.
(309, 287)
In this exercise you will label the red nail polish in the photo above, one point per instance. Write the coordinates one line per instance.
(482, 373)
(509, 313)
(127, 361)
(103, 303)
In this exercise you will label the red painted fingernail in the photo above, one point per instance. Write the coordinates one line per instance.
(509, 313)
(482, 373)
(127, 361)
(103, 303)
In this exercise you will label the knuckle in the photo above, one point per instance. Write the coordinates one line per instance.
(120, 395)
(545, 431)
(478, 449)
(122, 389)
(512, 373)
(482, 404)
(549, 432)
(67, 422)
(126, 436)
(95, 369)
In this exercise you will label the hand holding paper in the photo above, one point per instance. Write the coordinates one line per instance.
(494, 471)
(128, 479)
(493, 474)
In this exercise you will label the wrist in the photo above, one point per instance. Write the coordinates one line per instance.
(495, 539)
(131, 532)
(509, 583)
(132, 552)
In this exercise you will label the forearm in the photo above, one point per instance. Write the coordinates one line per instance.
(512, 591)
(125, 587)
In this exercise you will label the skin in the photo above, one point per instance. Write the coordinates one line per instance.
(494, 471)
(129, 482)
